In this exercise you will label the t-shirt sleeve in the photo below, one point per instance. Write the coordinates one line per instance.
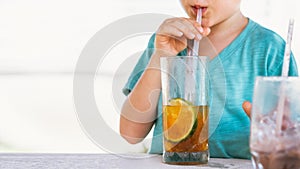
(275, 57)
(293, 69)
(139, 67)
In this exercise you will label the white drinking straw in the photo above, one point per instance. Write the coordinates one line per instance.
(287, 51)
(196, 42)
(193, 52)
(284, 73)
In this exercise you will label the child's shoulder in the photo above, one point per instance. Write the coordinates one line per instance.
(264, 34)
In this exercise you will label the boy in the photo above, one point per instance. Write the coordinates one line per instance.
(242, 50)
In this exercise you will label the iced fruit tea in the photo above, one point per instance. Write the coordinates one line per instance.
(185, 132)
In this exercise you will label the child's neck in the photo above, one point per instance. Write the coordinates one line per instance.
(225, 32)
(236, 23)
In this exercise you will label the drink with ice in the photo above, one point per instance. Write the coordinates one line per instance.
(274, 147)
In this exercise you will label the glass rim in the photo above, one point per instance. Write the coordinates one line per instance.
(277, 78)
(200, 58)
(185, 56)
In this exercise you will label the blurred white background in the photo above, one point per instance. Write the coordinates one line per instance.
(40, 42)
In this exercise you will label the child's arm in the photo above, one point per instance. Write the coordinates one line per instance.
(139, 110)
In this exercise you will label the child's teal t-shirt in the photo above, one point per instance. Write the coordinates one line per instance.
(257, 51)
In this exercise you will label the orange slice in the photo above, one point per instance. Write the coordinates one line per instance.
(179, 119)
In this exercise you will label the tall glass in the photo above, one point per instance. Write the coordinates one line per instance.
(185, 109)
(275, 123)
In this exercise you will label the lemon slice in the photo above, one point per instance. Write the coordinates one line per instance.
(179, 120)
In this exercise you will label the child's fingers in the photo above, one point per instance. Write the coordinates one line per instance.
(170, 31)
(247, 108)
(206, 31)
(190, 27)
(182, 25)
(203, 30)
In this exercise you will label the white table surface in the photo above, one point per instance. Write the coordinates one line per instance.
(110, 161)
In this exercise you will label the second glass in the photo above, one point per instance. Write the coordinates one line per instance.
(185, 109)
(275, 123)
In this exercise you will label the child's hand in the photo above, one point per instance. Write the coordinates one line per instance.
(172, 35)
(247, 108)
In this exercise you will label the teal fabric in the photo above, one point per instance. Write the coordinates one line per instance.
(257, 51)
